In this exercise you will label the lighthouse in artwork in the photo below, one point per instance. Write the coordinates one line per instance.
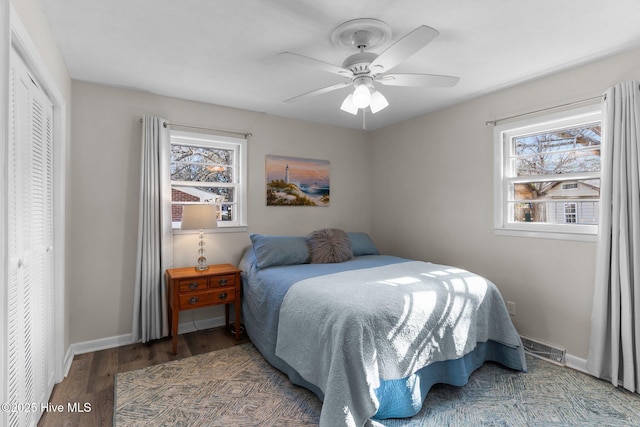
(286, 174)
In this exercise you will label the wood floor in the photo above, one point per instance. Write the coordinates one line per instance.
(90, 379)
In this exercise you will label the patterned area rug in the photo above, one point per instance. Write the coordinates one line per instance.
(231, 387)
(237, 387)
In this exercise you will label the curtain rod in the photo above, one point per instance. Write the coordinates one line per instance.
(178, 125)
(568, 104)
(235, 132)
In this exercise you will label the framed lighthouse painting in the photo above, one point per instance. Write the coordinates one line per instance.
(292, 181)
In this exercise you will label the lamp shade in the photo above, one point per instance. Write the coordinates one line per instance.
(348, 105)
(199, 217)
(378, 102)
(362, 96)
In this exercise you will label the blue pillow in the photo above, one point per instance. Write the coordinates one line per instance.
(362, 244)
(280, 250)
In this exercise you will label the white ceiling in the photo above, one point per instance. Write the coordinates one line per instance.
(224, 51)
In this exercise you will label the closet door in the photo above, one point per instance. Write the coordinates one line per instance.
(30, 246)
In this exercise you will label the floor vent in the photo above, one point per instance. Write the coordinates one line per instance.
(544, 351)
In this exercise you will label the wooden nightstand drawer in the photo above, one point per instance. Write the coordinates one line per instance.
(191, 285)
(203, 299)
(222, 281)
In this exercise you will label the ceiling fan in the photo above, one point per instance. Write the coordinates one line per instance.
(364, 68)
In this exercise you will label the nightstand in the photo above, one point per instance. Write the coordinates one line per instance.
(189, 288)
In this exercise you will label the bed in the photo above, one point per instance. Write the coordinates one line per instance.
(369, 334)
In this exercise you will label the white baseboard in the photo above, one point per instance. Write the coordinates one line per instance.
(120, 340)
(94, 345)
(576, 363)
(68, 360)
(101, 344)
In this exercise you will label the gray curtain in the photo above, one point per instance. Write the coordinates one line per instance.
(614, 352)
(150, 319)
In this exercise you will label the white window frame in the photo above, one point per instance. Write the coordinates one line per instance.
(572, 213)
(502, 145)
(239, 146)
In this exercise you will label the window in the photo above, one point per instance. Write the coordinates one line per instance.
(570, 213)
(547, 175)
(208, 169)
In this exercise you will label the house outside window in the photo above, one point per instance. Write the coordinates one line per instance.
(208, 168)
(547, 175)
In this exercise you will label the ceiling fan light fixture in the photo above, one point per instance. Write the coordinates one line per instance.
(365, 68)
(362, 96)
(348, 105)
(378, 102)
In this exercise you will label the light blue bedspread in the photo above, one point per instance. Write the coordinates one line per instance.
(347, 331)
(265, 290)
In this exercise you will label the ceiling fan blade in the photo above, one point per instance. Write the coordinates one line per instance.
(419, 80)
(404, 48)
(315, 63)
(319, 91)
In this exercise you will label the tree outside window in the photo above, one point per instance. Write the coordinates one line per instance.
(207, 169)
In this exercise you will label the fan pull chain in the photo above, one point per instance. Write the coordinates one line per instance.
(364, 121)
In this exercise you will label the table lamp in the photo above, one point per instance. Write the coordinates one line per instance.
(200, 217)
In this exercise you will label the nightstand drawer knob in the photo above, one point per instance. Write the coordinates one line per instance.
(194, 300)
(222, 282)
(222, 295)
(193, 285)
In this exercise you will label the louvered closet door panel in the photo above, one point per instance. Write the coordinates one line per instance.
(20, 339)
(48, 246)
(39, 212)
(31, 325)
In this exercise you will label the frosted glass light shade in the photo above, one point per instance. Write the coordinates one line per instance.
(378, 102)
(348, 105)
(362, 96)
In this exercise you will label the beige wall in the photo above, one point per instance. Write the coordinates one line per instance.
(433, 200)
(105, 163)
